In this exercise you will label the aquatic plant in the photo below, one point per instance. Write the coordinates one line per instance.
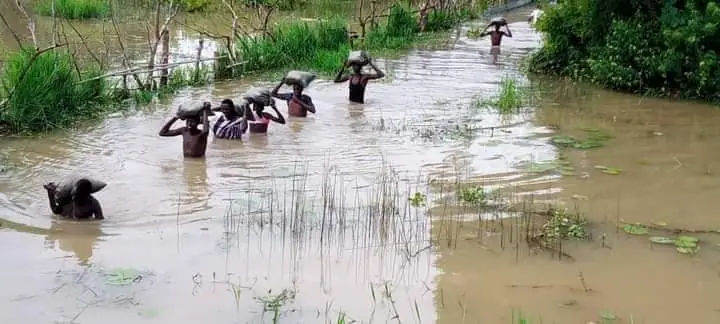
(565, 226)
(509, 99)
(41, 92)
(594, 139)
(74, 9)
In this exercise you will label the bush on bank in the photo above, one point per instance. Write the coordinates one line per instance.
(663, 48)
(323, 46)
(43, 93)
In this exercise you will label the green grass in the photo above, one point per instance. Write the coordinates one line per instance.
(43, 95)
(323, 46)
(510, 98)
(74, 9)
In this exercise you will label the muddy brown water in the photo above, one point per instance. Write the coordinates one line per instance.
(302, 209)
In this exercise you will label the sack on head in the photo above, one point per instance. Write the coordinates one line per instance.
(190, 111)
(499, 21)
(358, 58)
(257, 95)
(300, 78)
(66, 187)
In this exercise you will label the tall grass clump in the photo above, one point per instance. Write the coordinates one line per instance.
(398, 31)
(42, 93)
(511, 96)
(317, 46)
(74, 9)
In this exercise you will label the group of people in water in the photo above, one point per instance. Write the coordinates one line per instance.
(233, 123)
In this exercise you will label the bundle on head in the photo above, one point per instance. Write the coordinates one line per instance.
(498, 21)
(299, 78)
(192, 111)
(71, 185)
(257, 95)
(359, 58)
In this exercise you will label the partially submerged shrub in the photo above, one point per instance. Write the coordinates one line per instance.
(43, 93)
(74, 9)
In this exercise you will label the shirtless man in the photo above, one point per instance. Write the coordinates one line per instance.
(358, 80)
(495, 38)
(194, 139)
(298, 103)
(82, 204)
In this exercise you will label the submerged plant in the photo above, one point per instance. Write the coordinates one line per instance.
(594, 139)
(563, 226)
(274, 303)
(74, 9)
(510, 98)
(417, 199)
(473, 196)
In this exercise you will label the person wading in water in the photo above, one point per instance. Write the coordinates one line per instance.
(82, 204)
(495, 39)
(259, 120)
(298, 103)
(231, 125)
(194, 139)
(358, 80)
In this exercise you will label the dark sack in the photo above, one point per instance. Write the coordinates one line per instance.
(256, 95)
(190, 112)
(500, 21)
(300, 78)
(358, 58)
(66, 187)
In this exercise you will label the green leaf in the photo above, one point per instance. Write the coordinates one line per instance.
(637, 229)
(661, 240)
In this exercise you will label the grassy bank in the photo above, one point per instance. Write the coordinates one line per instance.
(74, 9)
(323, 46)
(652, 48)
(40, 92)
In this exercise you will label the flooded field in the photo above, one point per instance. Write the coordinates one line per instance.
(345, 215)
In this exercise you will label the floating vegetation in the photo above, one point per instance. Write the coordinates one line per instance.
(560, 166)
(474, 196)
(417, 199)
(593, 139)
(608, 170)
(122, 277)
(661, 240)
(275, 303)
(564, 226)
(686, 245)
(635, 229)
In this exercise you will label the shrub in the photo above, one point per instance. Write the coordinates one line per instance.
(43, 94)
(74, 9)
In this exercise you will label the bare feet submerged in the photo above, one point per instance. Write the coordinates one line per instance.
(81, 205)
(194, 139)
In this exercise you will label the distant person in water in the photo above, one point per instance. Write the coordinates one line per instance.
(535, 15)
(299, 104)
(82, 204)
(231, 125)
(194, 139)
(259, 119)
(495, 39)
(358, 80)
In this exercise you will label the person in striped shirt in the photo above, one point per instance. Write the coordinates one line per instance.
(231, 124)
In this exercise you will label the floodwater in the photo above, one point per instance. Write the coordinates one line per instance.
(318, 208)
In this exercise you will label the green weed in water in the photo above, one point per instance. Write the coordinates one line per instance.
(74, 9)
(473, 196)
(42, 94)
(417, 200)
(594, 139)
(510, 98)
(564, 226)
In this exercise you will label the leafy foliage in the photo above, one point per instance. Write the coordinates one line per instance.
(658, 47)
